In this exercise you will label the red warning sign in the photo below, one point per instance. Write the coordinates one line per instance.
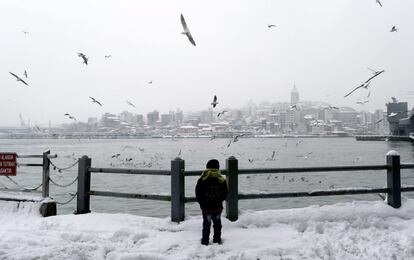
(8, 163)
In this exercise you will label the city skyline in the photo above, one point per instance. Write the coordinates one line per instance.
(21, 117)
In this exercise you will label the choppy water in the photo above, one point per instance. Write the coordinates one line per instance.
(289, 152)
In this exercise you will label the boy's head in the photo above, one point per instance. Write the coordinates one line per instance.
(213, 164)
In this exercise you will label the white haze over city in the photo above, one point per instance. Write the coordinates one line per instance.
(324, 47)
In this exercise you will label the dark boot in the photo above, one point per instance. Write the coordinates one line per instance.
(217, 234)
(206, 237)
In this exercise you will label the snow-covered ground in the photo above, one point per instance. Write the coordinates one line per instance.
(358, 230)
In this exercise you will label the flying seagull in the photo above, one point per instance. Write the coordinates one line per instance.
(271, 25)
(25, 74)
(221, 113)
(83, 56)
(379, 2)
(95, 101)
(214, 103)
(366, 83)
(70, 116)
(362, 102)
(108, 56)
(129, 103)
(363, 85)
(293, 107)
(150, 82)
(394, 29)
(19, 79)
(186, 31)
(25, 32)
(379, 121)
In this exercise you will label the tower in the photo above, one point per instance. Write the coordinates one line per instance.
(294, 96)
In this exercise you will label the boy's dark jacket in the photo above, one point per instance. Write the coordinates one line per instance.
(211, 190)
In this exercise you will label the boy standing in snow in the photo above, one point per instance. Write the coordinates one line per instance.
(211, 190)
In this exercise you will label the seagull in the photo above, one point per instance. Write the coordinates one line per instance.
(186, 31)
(108, 56)
(362, 102)
(367, 82)
(25, 32)
(363, 85)
(129, 103)
(369, 94)
(214, 103)
(379, 121)
(250, 160)
(70, 116)
(379, 2)
(25, 74)
(394, 29)
(294, 107)
(83, 56)
(271, 25)
(19, 79)
(95, 101)
(331, 107)
(272, 157)
(149, 82)
(221, 113)
(37, 128)
(213, 137)
(236, 138)
(115, 155)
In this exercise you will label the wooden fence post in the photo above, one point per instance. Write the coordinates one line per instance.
(45, 175)
(84, 186)
(394, 179)
(177, 190)
(232, 201)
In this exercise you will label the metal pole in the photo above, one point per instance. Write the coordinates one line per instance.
(45, 175)
(394, 179)
(232, 201)
(84, 186)
(177, 190)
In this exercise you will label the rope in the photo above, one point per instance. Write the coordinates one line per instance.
(68, 201)
(21, 187)
(60, 169)
(63, 185)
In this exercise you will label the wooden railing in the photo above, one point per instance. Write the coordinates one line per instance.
(177, 174)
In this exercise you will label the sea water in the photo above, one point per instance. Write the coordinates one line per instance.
(157, 153)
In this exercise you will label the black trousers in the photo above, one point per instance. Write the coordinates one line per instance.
(207, 219)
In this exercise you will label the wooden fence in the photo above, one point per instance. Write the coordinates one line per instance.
(177, 174)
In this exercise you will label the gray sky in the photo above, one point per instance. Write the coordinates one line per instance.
(324, 47)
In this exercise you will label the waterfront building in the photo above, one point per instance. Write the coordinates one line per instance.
(294, 96)
(395, 112)
(153, 117)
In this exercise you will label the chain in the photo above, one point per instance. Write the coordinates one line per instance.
(4, 186)
(63, 185)
(24, 188)
(68, 201)
(60, 169)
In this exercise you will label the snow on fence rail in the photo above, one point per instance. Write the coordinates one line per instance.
(177, 174)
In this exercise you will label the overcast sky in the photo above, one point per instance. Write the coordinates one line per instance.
(324, 47)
